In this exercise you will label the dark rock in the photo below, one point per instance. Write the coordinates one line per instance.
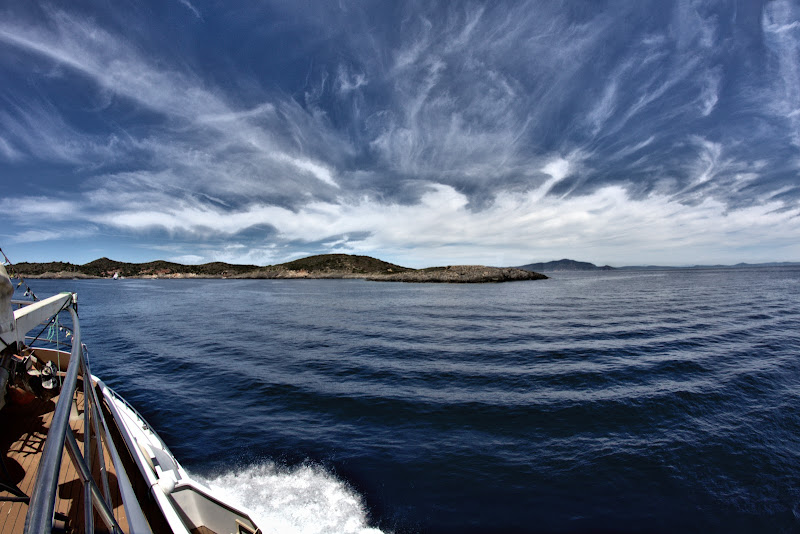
(461, 274)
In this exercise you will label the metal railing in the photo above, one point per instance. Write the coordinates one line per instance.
(97, 498)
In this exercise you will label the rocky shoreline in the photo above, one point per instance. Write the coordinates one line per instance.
(328, 266)
(461, 274)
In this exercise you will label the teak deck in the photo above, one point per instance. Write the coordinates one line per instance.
(23, 430)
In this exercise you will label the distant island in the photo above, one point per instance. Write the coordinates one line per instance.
(572, 265)
(336, 266)
(700, 267)
(564, 265)
(314, 267)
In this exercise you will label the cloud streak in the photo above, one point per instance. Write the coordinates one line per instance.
(606, 224)
(176, 97)
(430, 131)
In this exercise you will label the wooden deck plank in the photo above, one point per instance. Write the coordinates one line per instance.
(24, 430)
(30, 426)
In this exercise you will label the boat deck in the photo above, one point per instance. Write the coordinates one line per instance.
(23, 430)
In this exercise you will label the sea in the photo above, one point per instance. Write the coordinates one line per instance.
(607, 401)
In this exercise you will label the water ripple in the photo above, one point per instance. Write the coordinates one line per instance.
(621, 401)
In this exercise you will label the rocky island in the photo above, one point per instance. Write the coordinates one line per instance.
(460, 274)
(314, 267)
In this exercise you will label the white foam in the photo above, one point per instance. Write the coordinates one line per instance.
(302, 500)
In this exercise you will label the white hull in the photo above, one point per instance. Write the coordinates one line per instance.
(185, 503)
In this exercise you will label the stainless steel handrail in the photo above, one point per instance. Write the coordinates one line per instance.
(88, 515)
(42, 504)
(43, 500)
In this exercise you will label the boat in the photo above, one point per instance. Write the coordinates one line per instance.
(76, 456)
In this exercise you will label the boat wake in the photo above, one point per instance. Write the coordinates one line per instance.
(301, 500)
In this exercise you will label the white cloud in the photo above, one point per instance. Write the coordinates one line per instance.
(319, 171)
(472, 88)
(8, 151)
(708, 161)
(347, 82)
(604, 108)
(441, 228)
(558, 168)
(781, 26)
(188, 259)
(261, 110)
(188, 5)
(710, 91)
(32, 236)
(114, 65)
(39, 132)
(31, 207)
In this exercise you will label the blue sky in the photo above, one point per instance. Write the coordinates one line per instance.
(423, 133)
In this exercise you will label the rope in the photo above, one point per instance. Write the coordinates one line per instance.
(28, 291)
(49, 323)
(53, 328)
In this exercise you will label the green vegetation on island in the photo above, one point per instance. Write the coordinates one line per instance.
(461, 274)
(106, 268)
(316, 267)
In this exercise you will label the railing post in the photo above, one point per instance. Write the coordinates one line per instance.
(90, 487)
(87, 449)
(99, 444)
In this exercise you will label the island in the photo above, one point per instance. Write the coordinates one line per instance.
(460, 274)
(565, 265)
(324, 266)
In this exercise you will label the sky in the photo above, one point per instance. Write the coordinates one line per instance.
(422, 133)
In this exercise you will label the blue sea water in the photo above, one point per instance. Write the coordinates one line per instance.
(623, 401)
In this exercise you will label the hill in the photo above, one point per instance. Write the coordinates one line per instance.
(106, 268)
(320, 266)
(343, 263)
(564, 265)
